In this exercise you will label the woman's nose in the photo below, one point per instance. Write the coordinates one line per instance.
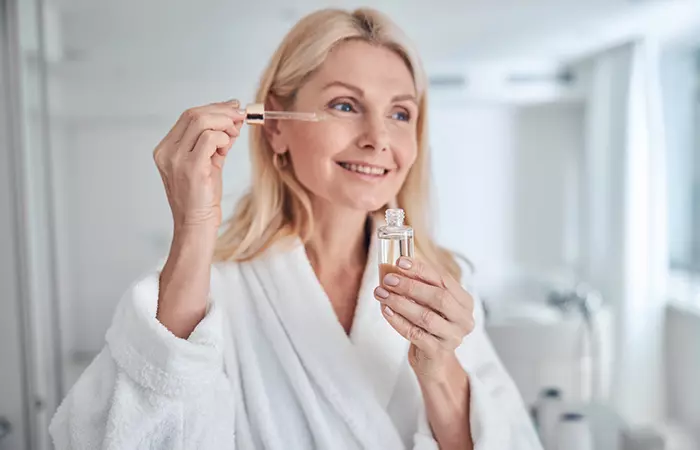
(375, 135)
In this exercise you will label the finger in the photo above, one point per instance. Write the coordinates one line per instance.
(233, 132)
(436, 298)
(421, 316)
(417, 269)
(219, 156)
(238, 124)
(462, 296)
(233, 103)
(229, 109)
(209, 121)
(208, 144)
(169, 142)
(413, 333)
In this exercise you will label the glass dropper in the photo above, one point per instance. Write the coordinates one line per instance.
(255, 114)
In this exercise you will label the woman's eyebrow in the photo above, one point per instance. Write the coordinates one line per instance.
(361, 93)
(405, 97)
(351, 87)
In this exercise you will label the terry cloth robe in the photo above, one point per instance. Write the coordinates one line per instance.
(271, 367)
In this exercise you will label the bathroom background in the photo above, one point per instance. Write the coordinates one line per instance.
(566, 164)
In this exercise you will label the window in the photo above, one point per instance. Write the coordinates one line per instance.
(680, 79)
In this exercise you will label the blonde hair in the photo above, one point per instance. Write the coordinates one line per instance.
(277, 205)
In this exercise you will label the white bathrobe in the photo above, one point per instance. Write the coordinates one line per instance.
(271, 367)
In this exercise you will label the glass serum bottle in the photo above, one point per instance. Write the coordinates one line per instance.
(395, 240)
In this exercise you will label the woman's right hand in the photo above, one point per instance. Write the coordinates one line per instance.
(190, 159)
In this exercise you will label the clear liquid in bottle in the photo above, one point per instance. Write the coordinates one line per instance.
(395, 240)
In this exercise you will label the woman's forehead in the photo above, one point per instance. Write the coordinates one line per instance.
(365, 66)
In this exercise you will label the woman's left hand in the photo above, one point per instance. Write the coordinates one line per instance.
(431, 310)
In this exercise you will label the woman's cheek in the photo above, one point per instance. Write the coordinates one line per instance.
(328, 139)
(406, 153)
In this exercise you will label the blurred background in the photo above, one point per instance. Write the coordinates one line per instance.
(566, 165)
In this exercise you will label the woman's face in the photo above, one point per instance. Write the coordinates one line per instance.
(360, 154)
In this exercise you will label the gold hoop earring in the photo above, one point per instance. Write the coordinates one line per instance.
(280, 160)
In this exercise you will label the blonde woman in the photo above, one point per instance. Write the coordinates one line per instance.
(277, 333)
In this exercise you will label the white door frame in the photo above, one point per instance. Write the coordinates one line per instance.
(13, 364)
(30, 372)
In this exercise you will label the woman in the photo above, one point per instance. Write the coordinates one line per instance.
(290, 340)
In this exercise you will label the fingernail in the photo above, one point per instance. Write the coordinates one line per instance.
(381, 292)
(391, 280)
(388, 311)
(405, 263)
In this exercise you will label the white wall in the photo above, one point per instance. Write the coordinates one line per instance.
(505, 182)
(473, 172)
(113, 211)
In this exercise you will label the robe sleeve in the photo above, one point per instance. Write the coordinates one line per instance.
(498, 418)
(147, 388)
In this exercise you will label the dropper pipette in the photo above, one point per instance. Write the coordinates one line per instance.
(255, 114)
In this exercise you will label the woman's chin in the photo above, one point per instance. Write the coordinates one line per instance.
(366, 200)
(367, 204)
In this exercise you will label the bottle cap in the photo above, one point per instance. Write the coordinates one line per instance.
(394, 217)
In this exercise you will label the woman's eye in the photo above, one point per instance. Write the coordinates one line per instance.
(343, 107)
(401, 115)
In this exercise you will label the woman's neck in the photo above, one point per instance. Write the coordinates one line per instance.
(339, 241)
(338, 254)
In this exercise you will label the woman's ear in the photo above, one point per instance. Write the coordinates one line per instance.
(271, 128)
(273, 135)
(272, 103)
